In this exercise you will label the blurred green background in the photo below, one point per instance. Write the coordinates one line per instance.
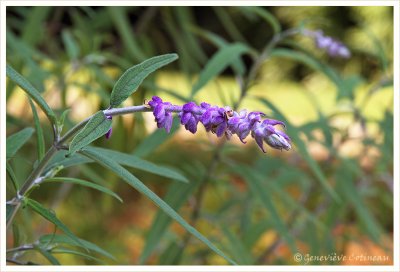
(258, 208)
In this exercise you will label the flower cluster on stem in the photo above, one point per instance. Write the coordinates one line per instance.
(333, 47)
(222, 121)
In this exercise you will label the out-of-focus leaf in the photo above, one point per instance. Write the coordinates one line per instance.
(253, 234)
(134, 76)
(9, 211)
(16, 235)
(229, 25)
(345, 177)
(16, 141)
(153, 141)
(97, 126)
(312, 62)
(13, 177)
(266, 15)
(53, 260)
(237, 63)
(50, 216)
(70, 45)
(138, 185)
(121, 21)
(349, 85)
(293, 132)
(265, 197)
(32, 92)
(238, 248)
(39, 132)
(74, 252)
(218, 62)
(176, 196)
(56, 239)
(133, 161)
(171, 255)
(84, 183)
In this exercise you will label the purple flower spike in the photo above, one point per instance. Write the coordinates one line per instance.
(333, 47)
(222, 121)
(162, 116)
(188, 116)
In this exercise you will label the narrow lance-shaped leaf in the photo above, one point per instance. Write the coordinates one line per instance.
(37, 207)
(97, 126)
(16, 141)
(53, 260)
(138, 185)
(84, 183)
(47, 239)
(32, 92)
(134, 76)
(39, 132)
(217, 64)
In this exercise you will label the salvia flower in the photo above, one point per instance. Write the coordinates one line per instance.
(109, 132)
(333, 47)
(222, 121)
(163, 117)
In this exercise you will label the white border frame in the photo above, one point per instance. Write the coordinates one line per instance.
(396, 72)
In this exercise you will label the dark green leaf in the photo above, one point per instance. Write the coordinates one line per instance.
(154, 140)
(218, 63)
(267, 16)
(9, 210)
(74, 252)
(302, 148)
(47, 255)
(138, 185)
(70, 45)
(135, 162)
(97, 126)
(176, 196)
(37, 207)
(32, 92)
(265, 197)
(48, 239)
(12, 176)
(238, 248)
(39, 132)
(134, 76)
(16, 141)
(84, 183)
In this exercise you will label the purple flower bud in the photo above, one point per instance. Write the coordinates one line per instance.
(266, 131)
(109, 132)
(333, 47)
(162, 116)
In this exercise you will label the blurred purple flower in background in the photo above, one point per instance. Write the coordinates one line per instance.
(333, 47)
(222, 121)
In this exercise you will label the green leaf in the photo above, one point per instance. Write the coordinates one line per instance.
(9, 210)
(97, 126)
(16, 141)
(266, 15)
(32, 92)
(74, 252)
(37, 207)
(84, 183)
(154, 140)
(138, 185)
(70, 45)
(218, 63)
(134, 76)
(265, 197)
(53, 260)
(176, 196)
(302, 148)
(13, 177)
(49, 239)
(135, 162)
(238, 248)
(39, 132)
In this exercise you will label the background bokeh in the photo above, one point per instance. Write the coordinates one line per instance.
(342, 133)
